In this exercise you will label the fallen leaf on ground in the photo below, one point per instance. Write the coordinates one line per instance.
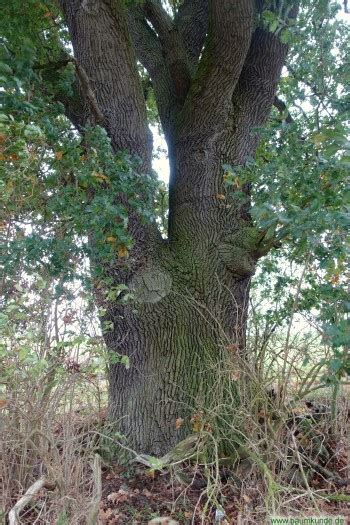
(118, 497)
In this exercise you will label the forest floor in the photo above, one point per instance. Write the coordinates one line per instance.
(135, 496)
(319, 484)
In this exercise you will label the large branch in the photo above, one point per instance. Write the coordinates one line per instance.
(192, 23)
(102, 47)
(255, 93)
(149, 52)
(229, 35)
(173, 48)
(27, 498)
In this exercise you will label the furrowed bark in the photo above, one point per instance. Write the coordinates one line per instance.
(103, 50)
(164, 57)
(190, 291)
(174, 50)
(254, 94)
(149, 52)
(192, 23)
(208, 101)
(102, 46)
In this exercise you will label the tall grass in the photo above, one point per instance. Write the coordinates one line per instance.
(259, 445)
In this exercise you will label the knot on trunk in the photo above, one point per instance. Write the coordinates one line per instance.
(240, 263)
(239, 251)
(90, 6)
(151, 285)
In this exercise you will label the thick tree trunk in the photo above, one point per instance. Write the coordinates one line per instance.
(177, 349)
(214, 73)
(191, 311)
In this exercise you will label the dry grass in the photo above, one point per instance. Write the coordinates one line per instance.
(263, 447)
(52, 437)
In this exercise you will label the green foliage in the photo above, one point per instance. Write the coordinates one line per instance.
(60, 192)
(299, 181)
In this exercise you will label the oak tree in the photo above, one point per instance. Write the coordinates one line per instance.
(175, 304)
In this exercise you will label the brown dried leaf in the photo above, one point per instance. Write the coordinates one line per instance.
(147, 493)
(179, 422)
(3, 403)
(246, 498)
(163, 521)
(122, 251)
(104, 516)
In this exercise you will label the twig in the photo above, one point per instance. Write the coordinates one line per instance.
(282, 108)
(330, 476)
(95, 503)
(88, 92)
(84, 83)
(285, 375)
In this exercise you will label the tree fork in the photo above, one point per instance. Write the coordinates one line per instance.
(213, 86)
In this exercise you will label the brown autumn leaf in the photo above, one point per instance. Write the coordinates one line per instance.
(100, 176)
(122, 251)
(178, 423)
(113, 497)
(232, 348)
(3, 403)
(235, 375)
(220, 196)
(150, 473)
(163, 521)
(118, 497)
(68, 318)
(115, 519)
(196, 423)
(237, 182)
(58, 155)
(104, 516)
(246, 498)
(111, 239)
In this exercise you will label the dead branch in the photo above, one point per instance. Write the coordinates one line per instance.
(88, 92)
(27, 498)
(97, 496)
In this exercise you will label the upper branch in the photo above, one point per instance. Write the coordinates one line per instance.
(102, 47)
(192, 23)
(159, 18)
(230, 30)
(255, 92)
(149, 52)
(147, 46)
(74, 106)
(173, 48)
